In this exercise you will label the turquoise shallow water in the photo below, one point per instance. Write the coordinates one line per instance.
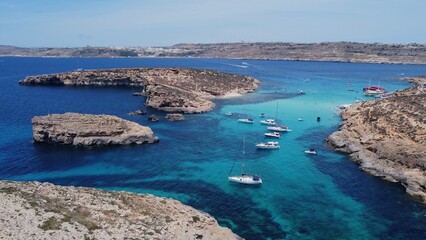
(302, 197)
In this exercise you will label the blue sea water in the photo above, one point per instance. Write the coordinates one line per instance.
(302, 197)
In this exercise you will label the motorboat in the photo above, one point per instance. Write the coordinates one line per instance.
(300, 92)
(373, 91)
(268, 145)
(245, 120)
(273, 134)
(262, 115)
(311, 151)
(281, 128)
(300, 119)
(244, 178)
(270, 122)
(228, 113)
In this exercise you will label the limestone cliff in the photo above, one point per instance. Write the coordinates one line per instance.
(88, 129)
(33, 210)
(388, 138)
(168, 89)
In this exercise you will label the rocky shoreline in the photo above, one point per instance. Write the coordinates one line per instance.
(88, 130)
(387, 138)
(167, 89)
(33, 210)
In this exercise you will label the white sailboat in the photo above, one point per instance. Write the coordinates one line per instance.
(244, 178)
(271, 121)
(245, 120)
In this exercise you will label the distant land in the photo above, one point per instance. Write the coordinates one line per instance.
(327, 51)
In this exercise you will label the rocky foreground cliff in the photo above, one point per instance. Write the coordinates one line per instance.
(33, 210)
(89, 129)
(168, 89)
(387, 138)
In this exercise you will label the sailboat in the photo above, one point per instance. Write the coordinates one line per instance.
(244, 178)
(270, 121)
(245, 120)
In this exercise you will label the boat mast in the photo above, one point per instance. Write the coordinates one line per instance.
(276, 111)
(244, 153)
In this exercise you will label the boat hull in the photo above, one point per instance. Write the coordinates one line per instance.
(245, 121)
(247, 179)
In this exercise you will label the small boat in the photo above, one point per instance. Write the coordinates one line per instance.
(311, 151)
(300, 92)
(228, 113)
(280, 128)
(246, 120)
(262, 115)
(373, 91)
(270, 122)
(273, 134)
(244, 178)
(268, 145)
(300, 119)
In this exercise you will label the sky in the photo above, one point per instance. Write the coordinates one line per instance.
(151, 23)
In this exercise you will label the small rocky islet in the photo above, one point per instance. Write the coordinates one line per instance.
(180, 90)
(387, 137)
(89, 130)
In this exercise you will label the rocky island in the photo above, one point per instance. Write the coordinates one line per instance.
(168, 89)
(88, 129)
(33, 210)
(387, 138)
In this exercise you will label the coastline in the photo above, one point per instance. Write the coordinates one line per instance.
(387, 138)
(34, 210)
(349, 52)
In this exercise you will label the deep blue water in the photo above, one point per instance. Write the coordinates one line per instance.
(303, 197)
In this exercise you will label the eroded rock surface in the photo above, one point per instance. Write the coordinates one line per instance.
(388, 138)
(33, 210)
(168, 89)
(88, 129)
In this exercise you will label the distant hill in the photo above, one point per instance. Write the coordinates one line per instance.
(326, 51)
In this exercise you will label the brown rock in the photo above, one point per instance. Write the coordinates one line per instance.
(388, 138)
(33, 210)
(168, 89)
(88, 129)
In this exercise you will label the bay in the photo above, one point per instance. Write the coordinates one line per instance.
(302, 197)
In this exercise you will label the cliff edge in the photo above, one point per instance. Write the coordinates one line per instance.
(387, 138)
(33, 210)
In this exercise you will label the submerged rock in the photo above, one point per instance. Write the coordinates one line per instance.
(137, 112)
(88, 129)
(175, 117)
(388, 138)
(153, 118)
(33, 210)
(168, 89)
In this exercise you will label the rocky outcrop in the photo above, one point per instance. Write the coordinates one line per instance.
(167, 89)
(88, 129)
(33, 210)
(175, 117)
(387, 138)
